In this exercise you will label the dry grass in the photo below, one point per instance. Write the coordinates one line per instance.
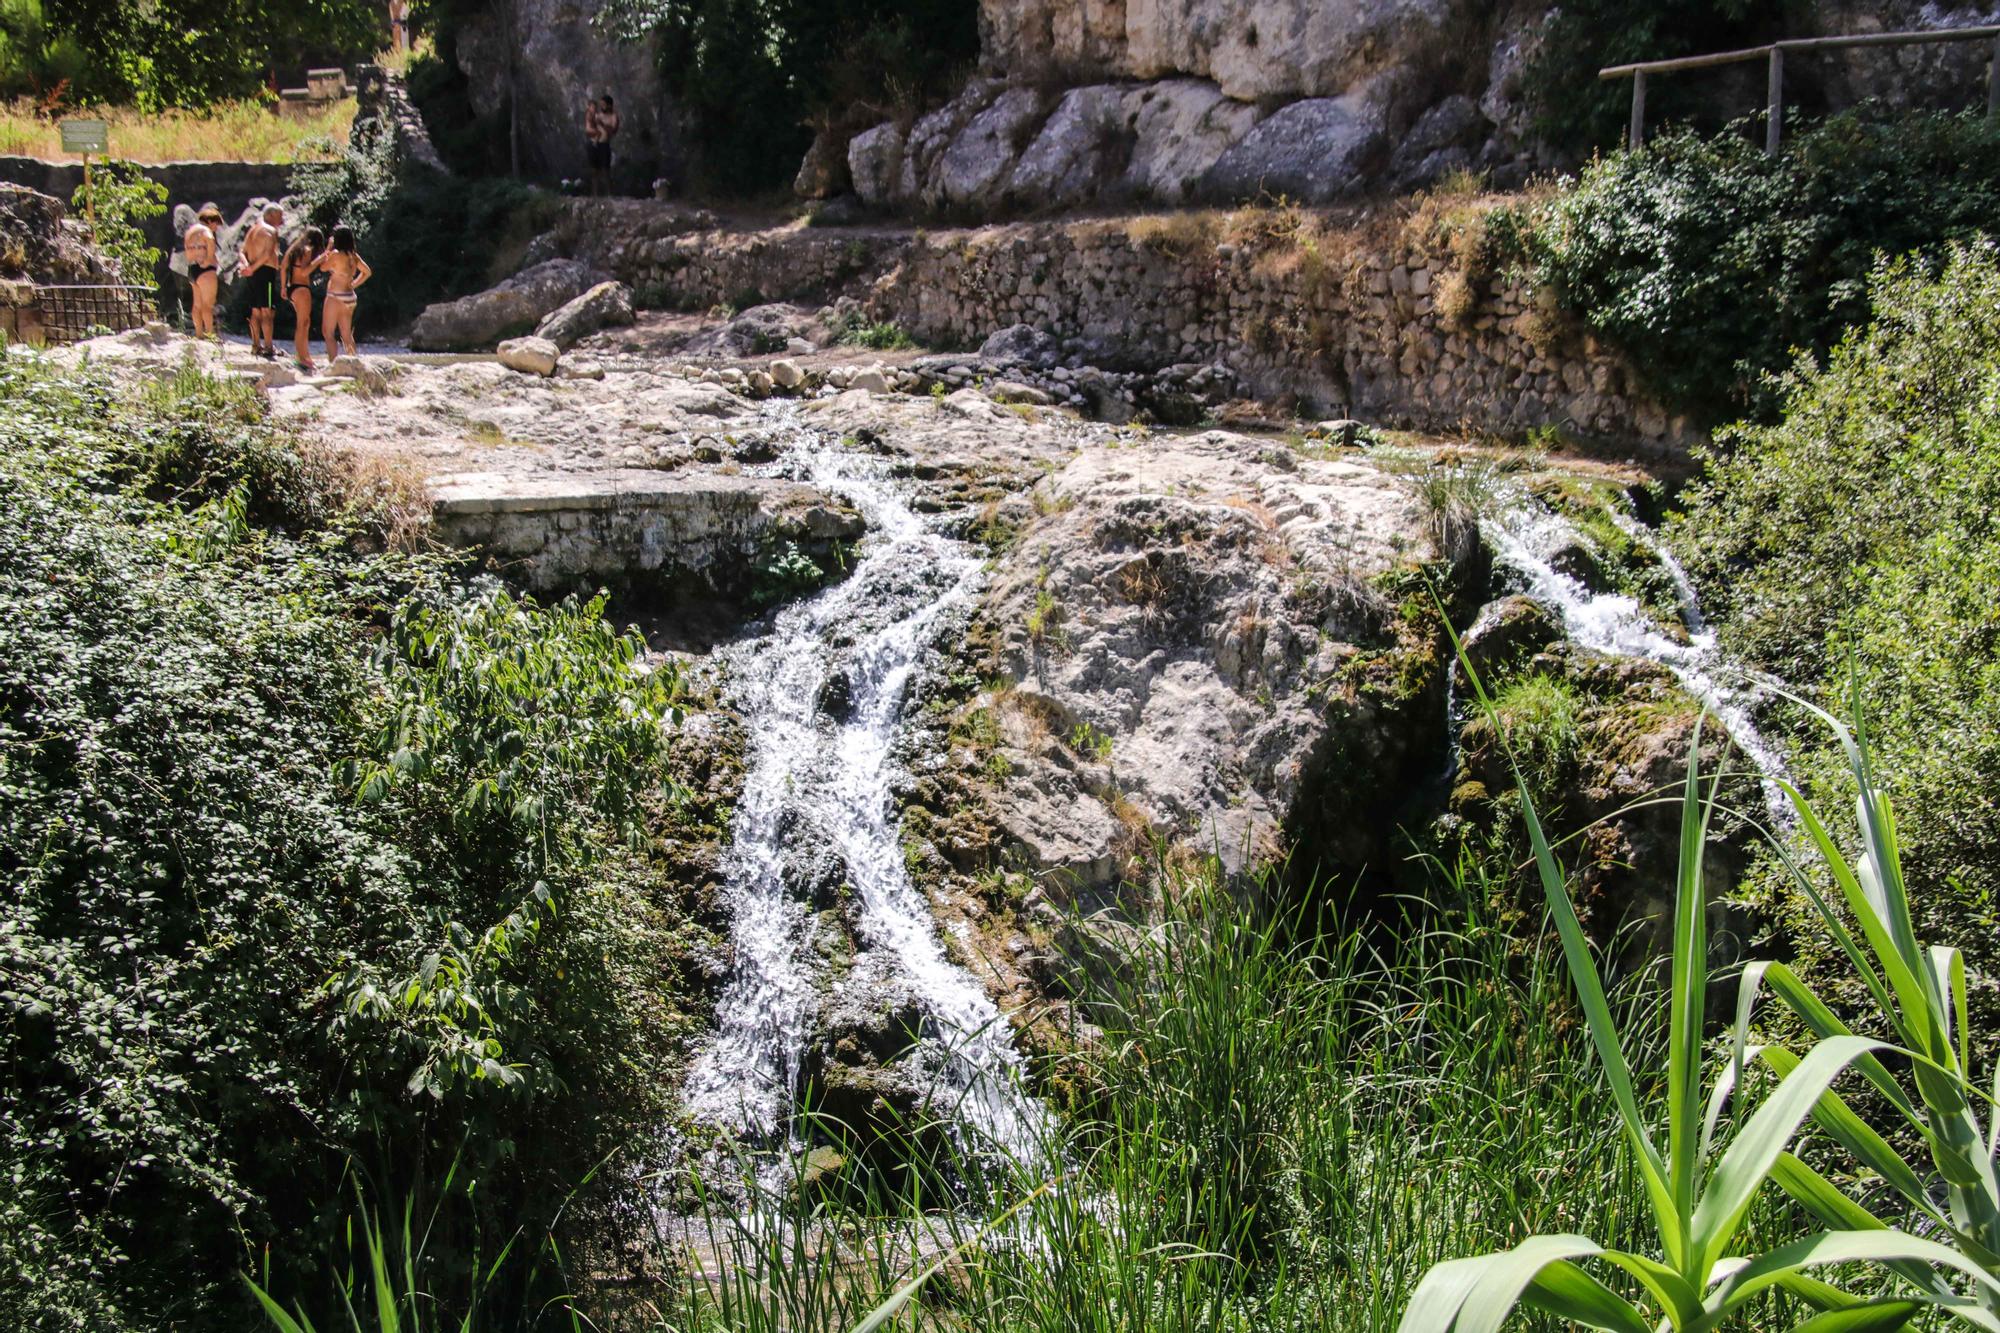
(390, 491)
(1180, 235)
(228, 132)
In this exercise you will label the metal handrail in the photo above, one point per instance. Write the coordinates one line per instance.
(1774, 53)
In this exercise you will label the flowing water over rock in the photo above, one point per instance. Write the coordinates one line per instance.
(821, 696)
(1525, 536)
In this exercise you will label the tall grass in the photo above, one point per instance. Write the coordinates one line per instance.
(1269, 1132)
(247, 131)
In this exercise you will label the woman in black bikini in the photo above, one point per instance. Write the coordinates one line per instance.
(296, 268)
(200, 247)
(346, 270)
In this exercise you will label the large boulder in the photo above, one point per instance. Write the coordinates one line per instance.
(1082, 148)
(936, 131)
(1021, 344)
(1456, 123)
(1312, 151)
(551, 56)
(1180, 128)
(38, 241)
(875, 163)
(978, 164)
(515, 306)
(823, 171)
(607, 305)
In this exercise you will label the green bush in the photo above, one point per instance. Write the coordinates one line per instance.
(755, 75)
(1859, 532)
(428, 237)
(177, 53)
(1709, 263)
(121, 197)
(273, 871)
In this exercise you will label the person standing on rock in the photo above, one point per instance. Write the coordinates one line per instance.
(199, 246)
(346, 270)
(297, 270)
(600, 126)
(259, 264)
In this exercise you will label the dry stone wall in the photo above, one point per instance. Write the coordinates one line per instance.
(1387, 326)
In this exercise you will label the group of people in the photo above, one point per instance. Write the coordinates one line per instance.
(277, 274)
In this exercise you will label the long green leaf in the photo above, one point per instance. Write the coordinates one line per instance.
(1566, 1291)
(1883, 1316)
(1687, 997)
(1747, 1163)
(1848, 1247)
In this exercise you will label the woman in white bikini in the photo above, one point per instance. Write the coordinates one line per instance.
(346, 271)
(199, 245)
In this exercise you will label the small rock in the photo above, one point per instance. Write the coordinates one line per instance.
(871, 380)
(579, 368)
(1013, 391)
(530, 356)
(799, 347)
(761, 383)
(786, 374)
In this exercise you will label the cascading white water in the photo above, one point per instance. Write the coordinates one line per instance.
(1525, 535)
(812, 778)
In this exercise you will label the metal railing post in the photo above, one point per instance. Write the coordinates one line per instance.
(1774, 120)
(1638, 133)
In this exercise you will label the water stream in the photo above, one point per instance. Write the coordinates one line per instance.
(1525, 537)
(818, 785)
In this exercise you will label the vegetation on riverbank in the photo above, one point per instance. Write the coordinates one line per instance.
(318, 865)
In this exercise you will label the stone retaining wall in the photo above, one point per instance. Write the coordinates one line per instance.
(1384, 323)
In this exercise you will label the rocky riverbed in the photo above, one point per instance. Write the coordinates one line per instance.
(1037, 662)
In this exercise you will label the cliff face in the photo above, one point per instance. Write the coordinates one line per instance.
(559, 59)
(1085, 102)
(1251, 51)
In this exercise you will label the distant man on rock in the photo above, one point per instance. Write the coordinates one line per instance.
(600, 126)
(259, 265)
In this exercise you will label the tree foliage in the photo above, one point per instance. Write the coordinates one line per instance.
(289, 830)
(179, 53)
(758, 75)
(1856, 535)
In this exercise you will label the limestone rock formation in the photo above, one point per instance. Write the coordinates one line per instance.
(554, 57)
(514, 306)
(1313, 150)
(39, 242)
(1181, 637)
(607, 305)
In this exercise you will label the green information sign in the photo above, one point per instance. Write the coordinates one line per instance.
(85, 136)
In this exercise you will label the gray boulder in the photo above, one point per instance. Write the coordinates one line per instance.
(516, 305)
(979, 163)
(1455, 122)
(934, 132)
(1313, 151)
(1021, 344)
(875, 161)
(607, 305)
(823, 171)
(1083, 145)
(1181, 126)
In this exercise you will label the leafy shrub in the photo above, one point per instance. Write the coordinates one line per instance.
(125, 196)
(187, 55)
(34, 60)
(1710, 262)
(188, 704)
(754, 75)
(429, 237)
(1858, 532)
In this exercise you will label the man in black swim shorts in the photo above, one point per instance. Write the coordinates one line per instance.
(260, 267)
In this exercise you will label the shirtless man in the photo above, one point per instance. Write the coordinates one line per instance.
(259, 264)
(199, 246)
(600, 126)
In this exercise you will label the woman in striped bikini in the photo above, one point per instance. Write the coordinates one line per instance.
(346, 270)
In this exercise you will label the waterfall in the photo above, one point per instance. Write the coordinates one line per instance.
(1525, 535)
(816, 784)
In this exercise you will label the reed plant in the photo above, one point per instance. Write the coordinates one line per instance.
(1698, 1270)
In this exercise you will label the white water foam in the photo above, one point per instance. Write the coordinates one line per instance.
(809, 776)
(1525, 535)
